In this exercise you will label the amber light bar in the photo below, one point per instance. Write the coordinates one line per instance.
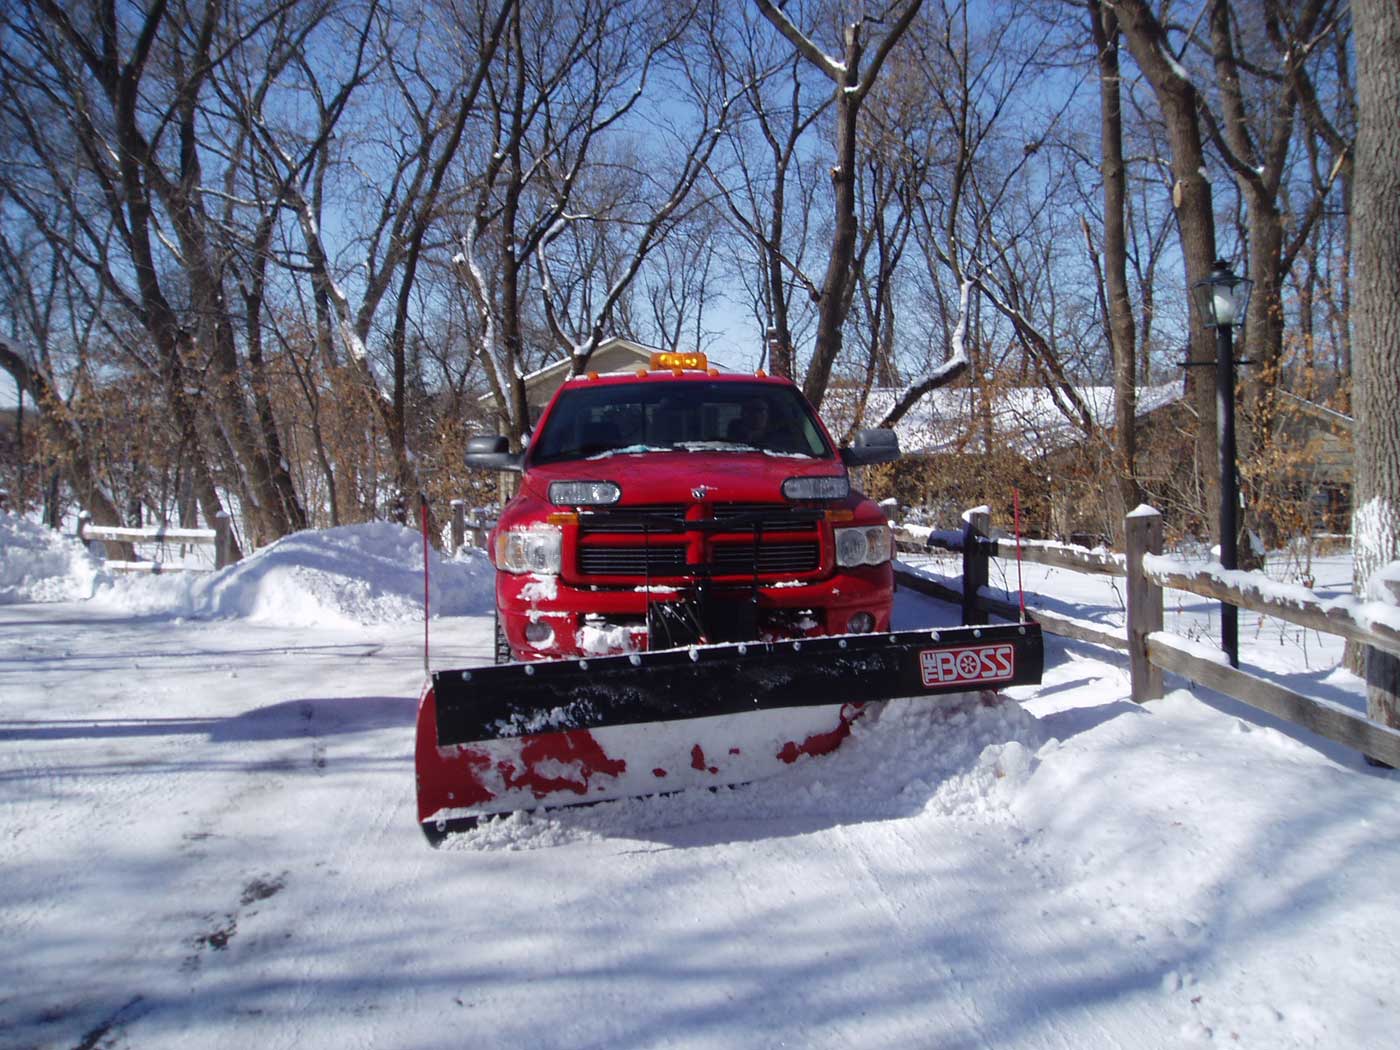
(676, 359)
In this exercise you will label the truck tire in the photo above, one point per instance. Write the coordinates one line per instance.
(503, 655)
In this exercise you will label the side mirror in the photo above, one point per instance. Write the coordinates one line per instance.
(492, 452)
(872, 446)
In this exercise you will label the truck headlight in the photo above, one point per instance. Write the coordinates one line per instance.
(583, 493)
(534, 549)
(869, 545)
(835, 486)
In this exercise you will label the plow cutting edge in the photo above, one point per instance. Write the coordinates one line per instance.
(506, 737)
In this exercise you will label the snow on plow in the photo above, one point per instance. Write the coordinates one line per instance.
(500, 738)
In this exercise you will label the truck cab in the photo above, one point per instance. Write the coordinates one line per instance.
(679, 505)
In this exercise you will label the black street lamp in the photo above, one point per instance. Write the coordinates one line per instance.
(1221, 301)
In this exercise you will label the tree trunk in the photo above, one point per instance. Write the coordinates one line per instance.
(836, 287)
(1121, 329)
(1376, 352)
(853, 84)
(1192, 199)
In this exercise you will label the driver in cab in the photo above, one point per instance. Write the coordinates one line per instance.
(751, 426)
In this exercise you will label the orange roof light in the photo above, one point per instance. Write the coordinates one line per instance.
(674, 359)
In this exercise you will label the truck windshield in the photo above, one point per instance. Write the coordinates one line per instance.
(679, 416)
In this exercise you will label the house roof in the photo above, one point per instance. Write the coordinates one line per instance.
(1026, 419)
(1338, 421)
(614, 354)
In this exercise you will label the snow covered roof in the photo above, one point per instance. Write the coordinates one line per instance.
(611, 354)
(614, 354)
(1027, 419)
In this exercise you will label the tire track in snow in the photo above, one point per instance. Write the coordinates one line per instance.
(881, 899)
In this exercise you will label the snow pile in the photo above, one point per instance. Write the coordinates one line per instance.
(40, 565)
(1384, 585)
(955, 756)
(354, 574)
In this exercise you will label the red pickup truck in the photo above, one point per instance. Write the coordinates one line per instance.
(678, 505)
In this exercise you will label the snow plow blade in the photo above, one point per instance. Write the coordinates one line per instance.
(500, 738)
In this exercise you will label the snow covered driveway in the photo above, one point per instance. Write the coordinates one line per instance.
(208, 839)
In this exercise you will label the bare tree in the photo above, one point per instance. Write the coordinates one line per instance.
(679, 284)
(559, 179)
(768, 185)
(61, 431)
(1265, 102)
(978, 221)
(132, 95)
(408, 208)
(854, 75)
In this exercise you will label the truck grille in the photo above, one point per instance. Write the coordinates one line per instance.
(632, 561)
(727, 559)
(653, 518)
(735, 558)
(663, 518)
(623, 541)
(744, 517)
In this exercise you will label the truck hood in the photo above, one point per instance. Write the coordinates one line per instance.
(672, 477)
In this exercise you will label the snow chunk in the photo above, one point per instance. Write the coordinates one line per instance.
(603, 638)
(38, 564)
(540, 588)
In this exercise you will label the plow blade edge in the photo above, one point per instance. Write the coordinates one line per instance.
(514, 736)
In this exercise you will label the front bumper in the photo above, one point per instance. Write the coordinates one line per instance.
(547, 618)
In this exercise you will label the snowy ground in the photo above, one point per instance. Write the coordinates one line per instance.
(207, 838)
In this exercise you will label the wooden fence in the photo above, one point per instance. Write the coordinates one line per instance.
(220, 538)
(469, 526)
(1150, 649)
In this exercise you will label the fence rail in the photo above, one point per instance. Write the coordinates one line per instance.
(1151, 650)
(220, 538)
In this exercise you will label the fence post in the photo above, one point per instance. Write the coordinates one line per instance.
(459, 524)
(1383, 671)
(1142, 530)
(83, 519)
(977, 522)
(478, 527)
(223, 540)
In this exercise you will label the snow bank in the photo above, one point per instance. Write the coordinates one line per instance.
(954, 756)
(355, 574)
(40, 565)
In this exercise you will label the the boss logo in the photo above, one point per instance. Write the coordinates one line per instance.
(982, 663)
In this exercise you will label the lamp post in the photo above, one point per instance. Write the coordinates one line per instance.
(1221, 301)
